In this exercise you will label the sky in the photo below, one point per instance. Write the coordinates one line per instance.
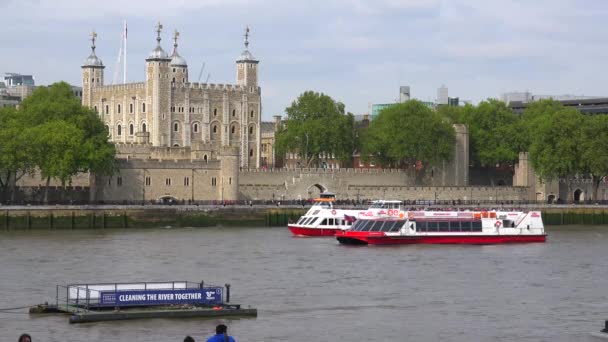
(358, 52)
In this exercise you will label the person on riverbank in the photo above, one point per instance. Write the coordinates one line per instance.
(189, 339)
(25, 338)
(221, 335)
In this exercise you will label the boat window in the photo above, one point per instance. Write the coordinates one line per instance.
(454, 226)
(443, 226)
(476, 226)
(357, 224)
(376, 227)
(314, 220)
(396, 226)
(431, 226)
(465, 226)
(300, 220)
(324, 222)
(387, 226)
(365, 226)
(508, 224)
(314, 213)
(309, 221)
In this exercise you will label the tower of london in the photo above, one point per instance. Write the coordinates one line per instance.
(167, 116)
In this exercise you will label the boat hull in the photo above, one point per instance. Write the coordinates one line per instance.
(352, 238)
(307, 231)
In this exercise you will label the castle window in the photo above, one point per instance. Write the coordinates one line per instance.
(174, 71)
(232, 130)
(108, 129)
(131, 108)
(184, 80)
(119, 130)
(195, 128)
(173, 78)
(186, 181)
(229, 180)
(148, 181)
(251, 114)
(118, 109)
(172, 109)
(143, 107)
(92, 80)
(95, 109)
(143, 127)
(234, 112)
(130, 129)
(251, 130)
(205, 157)
(168, 181)
(213, 181)
(175, 145)
(215, 112)
(251, 153)
(119, 181)
(175, 127)
(107, 109)
(214, 129)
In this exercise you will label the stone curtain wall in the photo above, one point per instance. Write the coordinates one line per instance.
(359, 184)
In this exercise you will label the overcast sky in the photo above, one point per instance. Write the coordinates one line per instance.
(359, 52)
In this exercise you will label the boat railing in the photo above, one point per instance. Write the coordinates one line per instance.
(84, 297)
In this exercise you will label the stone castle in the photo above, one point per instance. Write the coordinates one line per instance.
(167, 126)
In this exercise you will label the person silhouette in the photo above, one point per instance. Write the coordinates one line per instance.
(221, 335)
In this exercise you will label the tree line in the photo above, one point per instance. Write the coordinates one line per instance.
(51, 133)
(562, 143)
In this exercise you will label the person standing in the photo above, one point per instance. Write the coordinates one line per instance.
(221, 335)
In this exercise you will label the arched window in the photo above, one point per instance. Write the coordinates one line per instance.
(118, 109)
(143, 127)
(173, 79)
(143, 107)
(130, 129)
(96, 109)
(107, 109)
(251, 153)
(251, 130)
(214, 129)
(130, 108)
(119, 130)
(195, 127)
(175, 127)
(234, 112)
(205, 157)
(251, 114)
(232, 129)
(108, 129)
(175, 145)
(215, 112)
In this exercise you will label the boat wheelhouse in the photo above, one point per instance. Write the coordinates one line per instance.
(447, 227)
(322, 219)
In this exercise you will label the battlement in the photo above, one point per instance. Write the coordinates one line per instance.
(127, 86)
(167, 164)
(208, 86)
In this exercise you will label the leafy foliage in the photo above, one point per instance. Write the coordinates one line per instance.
(53, 132)
(409, 133)
(316, 125)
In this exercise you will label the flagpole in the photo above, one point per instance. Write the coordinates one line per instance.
(124, 75)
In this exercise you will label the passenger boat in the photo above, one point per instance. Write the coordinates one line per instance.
(446, 227)
(322, 219)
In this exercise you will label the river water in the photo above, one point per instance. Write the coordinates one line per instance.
(313, 289)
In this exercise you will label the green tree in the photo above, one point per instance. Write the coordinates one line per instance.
(16, 157)
(316, 125)
(56, 134)
(595, 149)
(557, 147)
(409, 134)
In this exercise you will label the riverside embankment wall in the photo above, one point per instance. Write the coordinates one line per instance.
(102, 217)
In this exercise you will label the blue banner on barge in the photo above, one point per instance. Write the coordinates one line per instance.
(207, 295)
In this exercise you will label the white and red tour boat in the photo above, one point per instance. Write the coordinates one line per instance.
(322, 219)
(444, 227)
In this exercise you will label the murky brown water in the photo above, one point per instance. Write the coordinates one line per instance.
(313, 289)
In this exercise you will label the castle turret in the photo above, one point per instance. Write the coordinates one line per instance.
(179, 66)
(92, 73)
(247, 66)
(157, 89)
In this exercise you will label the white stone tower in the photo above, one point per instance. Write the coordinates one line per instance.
(158, 86)
(92, 75)
(247, 77)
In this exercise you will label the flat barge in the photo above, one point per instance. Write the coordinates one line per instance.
(124, 301)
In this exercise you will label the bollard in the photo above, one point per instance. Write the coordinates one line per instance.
(227, 293)
(202, 284)
(605, 330)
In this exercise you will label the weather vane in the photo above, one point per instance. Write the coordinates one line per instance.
(93, 37)
(159, 28)
(246, 36)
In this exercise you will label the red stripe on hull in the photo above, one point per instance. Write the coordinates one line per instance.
(381, 239)
(304, 231)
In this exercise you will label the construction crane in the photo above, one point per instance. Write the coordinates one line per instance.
(200, 74)
(207, 80)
